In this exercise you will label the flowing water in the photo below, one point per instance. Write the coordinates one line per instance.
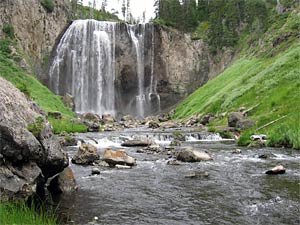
(237, 190)
(85, 65)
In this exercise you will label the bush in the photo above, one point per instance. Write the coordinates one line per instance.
(36, 127)
(8, 29)
(48, 5)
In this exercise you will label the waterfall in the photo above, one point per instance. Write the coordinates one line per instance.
(86, 61)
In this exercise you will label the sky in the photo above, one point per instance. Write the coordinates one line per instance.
(137, 7)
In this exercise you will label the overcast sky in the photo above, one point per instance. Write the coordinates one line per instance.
(137, 7)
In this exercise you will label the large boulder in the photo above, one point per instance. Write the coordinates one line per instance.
(64, 182)
(29, 151)
(87, 154)
(276, 170)
(191, 155)
(120, 157)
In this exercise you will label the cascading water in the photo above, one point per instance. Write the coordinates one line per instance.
(86, 65)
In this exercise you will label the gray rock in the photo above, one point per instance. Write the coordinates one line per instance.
(190, 155)
(86, 155)
(39, 154)
(234, 118)
(69, 101)
(95, 171)
(174, 162)
(118, 157)
(276, 170)
(244, 124)
(63, 182)
(153, 125)
(137, 142)
(108, 118)
(267, 156)
(207, 119)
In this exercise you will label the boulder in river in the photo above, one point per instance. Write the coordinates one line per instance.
(118, 157)
(276, 170)
(191, 155)
(108, 118)
(267, 155)
(86, 155)
(95, 171)
(137, 142)
(64, 182)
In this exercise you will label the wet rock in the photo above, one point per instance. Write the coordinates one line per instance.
(164, 118)
(93, 127)
(137, 142)
(95, 171)
(234, 118)
(55, 115)
(103, 163)
(267, 156)
(108, 118)
(244, 124)
(169, 124)
(153, 125)
(64, 182)
(153, 148)
(86, 155)
(192, 121)
(257, 144)
(190, 155)
(140, 151)
(118, 157)
(237, 151)
(68, 101)
(276, 170)
(197, 174)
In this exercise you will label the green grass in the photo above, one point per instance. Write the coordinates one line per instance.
(66, 125)
(33, 89)
(264, 73)
(20, 213)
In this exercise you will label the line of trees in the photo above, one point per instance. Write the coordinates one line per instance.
(219, 21)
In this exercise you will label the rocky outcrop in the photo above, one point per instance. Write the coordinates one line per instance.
(64, 182)
(36, 30)
(29, 152)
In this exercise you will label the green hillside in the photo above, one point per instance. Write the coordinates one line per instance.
(268, 74)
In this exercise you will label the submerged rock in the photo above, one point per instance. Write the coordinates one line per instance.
(266, 156)
(118, 157)
(276, 170)
(237, 151)
(86, 155)
(190, 155)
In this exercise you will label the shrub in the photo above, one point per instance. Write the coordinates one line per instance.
(8, 29)
(36, 127)
(48, 5)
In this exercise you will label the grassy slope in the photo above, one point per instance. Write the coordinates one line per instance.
(263, 74)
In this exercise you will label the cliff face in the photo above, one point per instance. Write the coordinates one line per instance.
(183, 64)
(36, 30)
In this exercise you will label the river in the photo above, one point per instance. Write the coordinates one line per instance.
(237, 190)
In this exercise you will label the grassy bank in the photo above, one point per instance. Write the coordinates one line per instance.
(267, 74)
(20, 213)
(33, 89)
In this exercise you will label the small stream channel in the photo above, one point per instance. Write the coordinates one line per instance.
(237, 190)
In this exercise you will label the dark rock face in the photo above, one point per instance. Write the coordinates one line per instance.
(26, 160)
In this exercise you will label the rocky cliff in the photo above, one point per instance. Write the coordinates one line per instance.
(36, 30)
(29, 152)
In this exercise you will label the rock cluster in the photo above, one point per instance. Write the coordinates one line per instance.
(29, 152)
